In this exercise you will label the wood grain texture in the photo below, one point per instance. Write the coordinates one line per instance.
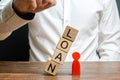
(59, 56)
(51, 67)
(70, 33)
(64, 44)
(35, 71)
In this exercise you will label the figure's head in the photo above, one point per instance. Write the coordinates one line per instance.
(76, 55)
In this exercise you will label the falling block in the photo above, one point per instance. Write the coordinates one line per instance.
(51, 67)
(59, 56)
(70, 33)
(64, 44)
(61, 50)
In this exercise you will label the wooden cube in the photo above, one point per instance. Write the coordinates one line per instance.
(70, 33)
(59, 56)
(64, 44)
(51, 67)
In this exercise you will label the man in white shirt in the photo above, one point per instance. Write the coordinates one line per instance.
(97, 21)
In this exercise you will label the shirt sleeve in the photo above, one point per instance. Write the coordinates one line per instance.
(109, 32)
(9, 21)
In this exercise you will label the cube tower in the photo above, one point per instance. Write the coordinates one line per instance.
(61, 50)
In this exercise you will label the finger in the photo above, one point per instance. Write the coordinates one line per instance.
(32, 5)
(45, 1)
(45, 4)
(49, 3)
(40, 5)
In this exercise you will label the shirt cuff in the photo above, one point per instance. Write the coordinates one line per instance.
(4, 35)
(27, 16)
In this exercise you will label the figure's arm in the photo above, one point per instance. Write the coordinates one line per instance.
(109, 33)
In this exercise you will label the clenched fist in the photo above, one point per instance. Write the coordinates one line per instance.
(32, 6)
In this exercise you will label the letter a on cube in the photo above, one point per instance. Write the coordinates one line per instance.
(59, 56)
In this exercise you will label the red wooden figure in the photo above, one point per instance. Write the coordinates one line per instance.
(76, 64)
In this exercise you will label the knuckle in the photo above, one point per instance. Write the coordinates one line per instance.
(52, 2)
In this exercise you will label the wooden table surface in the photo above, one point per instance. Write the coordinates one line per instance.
(35, 71)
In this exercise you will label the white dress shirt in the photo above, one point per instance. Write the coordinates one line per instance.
(97, 21)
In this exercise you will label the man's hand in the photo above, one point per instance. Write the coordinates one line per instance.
(33, 6)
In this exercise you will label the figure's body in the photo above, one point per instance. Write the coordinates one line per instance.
(76, 64)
